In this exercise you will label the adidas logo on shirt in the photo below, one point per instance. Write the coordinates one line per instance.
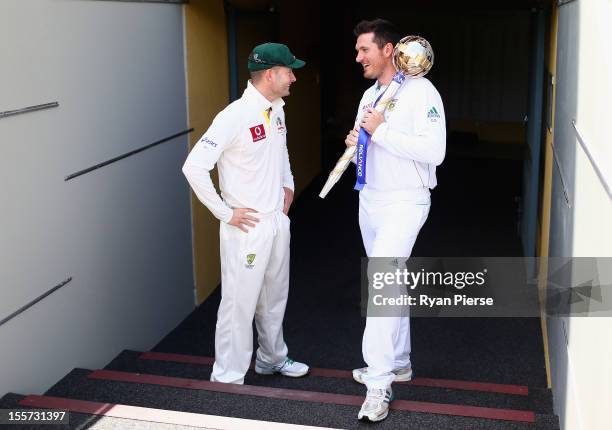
(433, 113)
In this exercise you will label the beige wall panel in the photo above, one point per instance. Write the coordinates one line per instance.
(208, 93)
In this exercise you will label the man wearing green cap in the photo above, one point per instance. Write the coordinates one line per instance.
(247, 140)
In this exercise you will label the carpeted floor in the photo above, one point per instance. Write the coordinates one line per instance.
(473, 213)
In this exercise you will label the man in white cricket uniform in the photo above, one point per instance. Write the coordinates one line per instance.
(247, 141)
(408, 142)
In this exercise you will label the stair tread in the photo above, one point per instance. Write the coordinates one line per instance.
(77, 385)
(129, 361)
(336, 373)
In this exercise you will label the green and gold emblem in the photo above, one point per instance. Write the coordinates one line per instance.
(250, 258)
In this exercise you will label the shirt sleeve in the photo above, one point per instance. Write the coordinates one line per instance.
(287, 175)
(428, 143)
(202, 159)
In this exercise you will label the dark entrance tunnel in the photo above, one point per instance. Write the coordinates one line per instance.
(482, 73)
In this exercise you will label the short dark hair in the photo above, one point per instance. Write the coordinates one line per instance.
(256, 75)
(384, 31)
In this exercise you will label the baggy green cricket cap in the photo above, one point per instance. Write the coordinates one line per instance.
(268, 55)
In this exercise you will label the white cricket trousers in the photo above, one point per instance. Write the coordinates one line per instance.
(254, 284)
(389, 228)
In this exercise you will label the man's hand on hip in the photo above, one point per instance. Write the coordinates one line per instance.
(242, 219)
(351, 138)
(288, 199)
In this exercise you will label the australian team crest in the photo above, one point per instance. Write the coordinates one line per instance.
(250, 258)
(390, 105)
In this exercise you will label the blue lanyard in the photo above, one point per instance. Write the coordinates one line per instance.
(362, 152)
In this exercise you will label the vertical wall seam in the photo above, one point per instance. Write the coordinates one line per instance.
(188, 117)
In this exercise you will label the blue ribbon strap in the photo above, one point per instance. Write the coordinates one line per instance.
(362, 152)
(399, 78)
(362, 148)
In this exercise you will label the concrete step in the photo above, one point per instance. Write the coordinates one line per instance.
(98, 418)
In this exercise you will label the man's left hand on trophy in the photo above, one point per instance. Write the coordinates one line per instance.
(352, 137)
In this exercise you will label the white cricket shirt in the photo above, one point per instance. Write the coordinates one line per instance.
(250, 151)
(405, 149)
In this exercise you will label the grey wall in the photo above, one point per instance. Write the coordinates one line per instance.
(122, 232)
(580, 347)
(564, 139)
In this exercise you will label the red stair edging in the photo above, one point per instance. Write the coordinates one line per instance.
(313, 396)
(520, 390)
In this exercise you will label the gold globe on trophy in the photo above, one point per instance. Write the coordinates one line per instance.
(413, 57)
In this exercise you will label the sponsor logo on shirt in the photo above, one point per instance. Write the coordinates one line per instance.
(433, 114)
(390, 105)
(360, 160)
(250, 258)
(258, 132)
(367, 106)
(207, 141)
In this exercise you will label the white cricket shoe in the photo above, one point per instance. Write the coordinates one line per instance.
(376, 404)
(288, 367)
(401, 375)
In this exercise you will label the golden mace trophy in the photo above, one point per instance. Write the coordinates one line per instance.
(412, 58)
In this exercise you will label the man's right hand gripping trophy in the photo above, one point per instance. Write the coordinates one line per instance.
(412, 58)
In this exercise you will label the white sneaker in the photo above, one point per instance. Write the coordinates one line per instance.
(402, 374)
(376, 404)
(293, 369)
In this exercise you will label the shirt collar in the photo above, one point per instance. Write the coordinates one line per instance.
(380, 86)
(253, 94)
